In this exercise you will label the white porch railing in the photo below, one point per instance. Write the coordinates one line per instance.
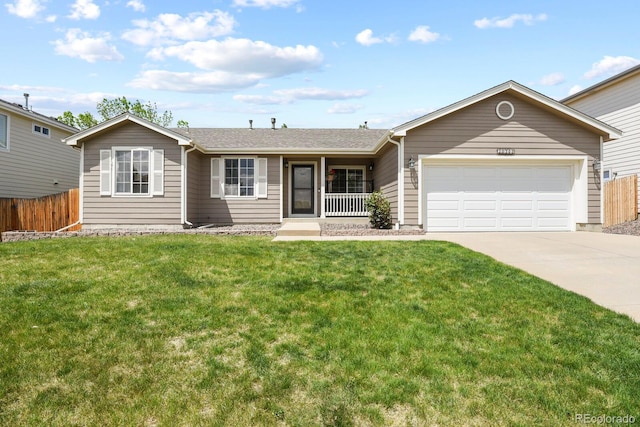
(346, 204)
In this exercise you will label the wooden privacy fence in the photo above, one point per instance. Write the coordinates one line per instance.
(620, 200)
(48, 213)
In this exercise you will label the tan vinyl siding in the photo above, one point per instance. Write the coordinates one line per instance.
(34, 161)
(240, 210)
(619, 106)
(132, 210)
(386, 176)
(477, 130)
(195, 161)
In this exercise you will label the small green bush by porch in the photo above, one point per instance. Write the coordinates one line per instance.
(379, 210)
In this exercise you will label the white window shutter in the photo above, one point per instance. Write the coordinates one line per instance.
(158, 172)
(262, 177)
(105, 172)
(216, 179)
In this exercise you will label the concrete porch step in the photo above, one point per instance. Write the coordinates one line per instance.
(299, 229)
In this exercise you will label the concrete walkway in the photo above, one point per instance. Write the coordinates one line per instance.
(603, 267)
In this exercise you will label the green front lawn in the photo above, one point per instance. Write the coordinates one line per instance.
(202, 330)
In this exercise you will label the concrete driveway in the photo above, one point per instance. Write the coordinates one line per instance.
(602, 267)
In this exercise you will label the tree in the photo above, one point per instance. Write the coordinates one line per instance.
(110, 108)
(83, 121)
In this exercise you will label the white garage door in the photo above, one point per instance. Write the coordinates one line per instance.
(497, 198)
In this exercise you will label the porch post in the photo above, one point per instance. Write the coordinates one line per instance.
(322, 189)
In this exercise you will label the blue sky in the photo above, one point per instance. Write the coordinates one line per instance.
(309, 63)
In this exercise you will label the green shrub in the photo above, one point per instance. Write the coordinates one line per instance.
(379, 210)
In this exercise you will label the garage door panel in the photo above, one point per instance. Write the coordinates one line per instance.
(484, 205)
(497, 197)
(517, 205)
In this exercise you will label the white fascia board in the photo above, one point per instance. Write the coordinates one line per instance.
(280, 151)
(75, 139)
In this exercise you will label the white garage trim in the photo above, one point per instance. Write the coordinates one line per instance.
(578, 165)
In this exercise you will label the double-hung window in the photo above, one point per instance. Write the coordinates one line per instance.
(131, 171)
(4, 132)
(239, 177)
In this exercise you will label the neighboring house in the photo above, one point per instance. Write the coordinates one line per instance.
(615, 101)
(506, 159)
(33, 160)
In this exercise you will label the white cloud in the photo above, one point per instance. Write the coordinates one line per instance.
(610, 65)
(84, 9)
(169, 27)
(51, 19)
(80, 44)
(365, 38)
(25, 8)
(575, 89)
(342, 108)
(265, 4)
(245, 56)
(423, 35)
(136, 5)
(211, 82)
(509, 22)
(290, 96)
(262, 99)
(552, 79)
(321, 94)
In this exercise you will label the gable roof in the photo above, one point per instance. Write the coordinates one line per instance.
(603, 84)
(32, 115)
(608, 132)
(286, 140)
(75, 139)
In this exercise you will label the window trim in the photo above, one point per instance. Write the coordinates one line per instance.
(217, 176)
(611, 175)
(40, 132)
(8, 126)
(150, 183)
(223, 177)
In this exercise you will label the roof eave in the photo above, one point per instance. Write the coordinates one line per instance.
(602, 85)
(75, 140)
(609, 131)
(37, 116)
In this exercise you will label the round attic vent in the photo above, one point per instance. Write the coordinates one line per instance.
(505, 110)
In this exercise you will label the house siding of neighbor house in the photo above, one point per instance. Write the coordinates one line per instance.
(115, 210)
(616, 101)
(34, 164)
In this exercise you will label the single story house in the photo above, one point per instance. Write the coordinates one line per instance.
(616, 101)
(506, 159)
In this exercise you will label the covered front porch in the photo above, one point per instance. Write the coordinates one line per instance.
(327, 187)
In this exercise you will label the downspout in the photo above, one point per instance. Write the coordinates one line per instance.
(400, 146)
(183, 173)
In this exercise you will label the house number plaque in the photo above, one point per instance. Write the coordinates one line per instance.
(505, 151)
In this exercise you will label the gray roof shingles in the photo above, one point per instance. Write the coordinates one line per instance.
(288, 140)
